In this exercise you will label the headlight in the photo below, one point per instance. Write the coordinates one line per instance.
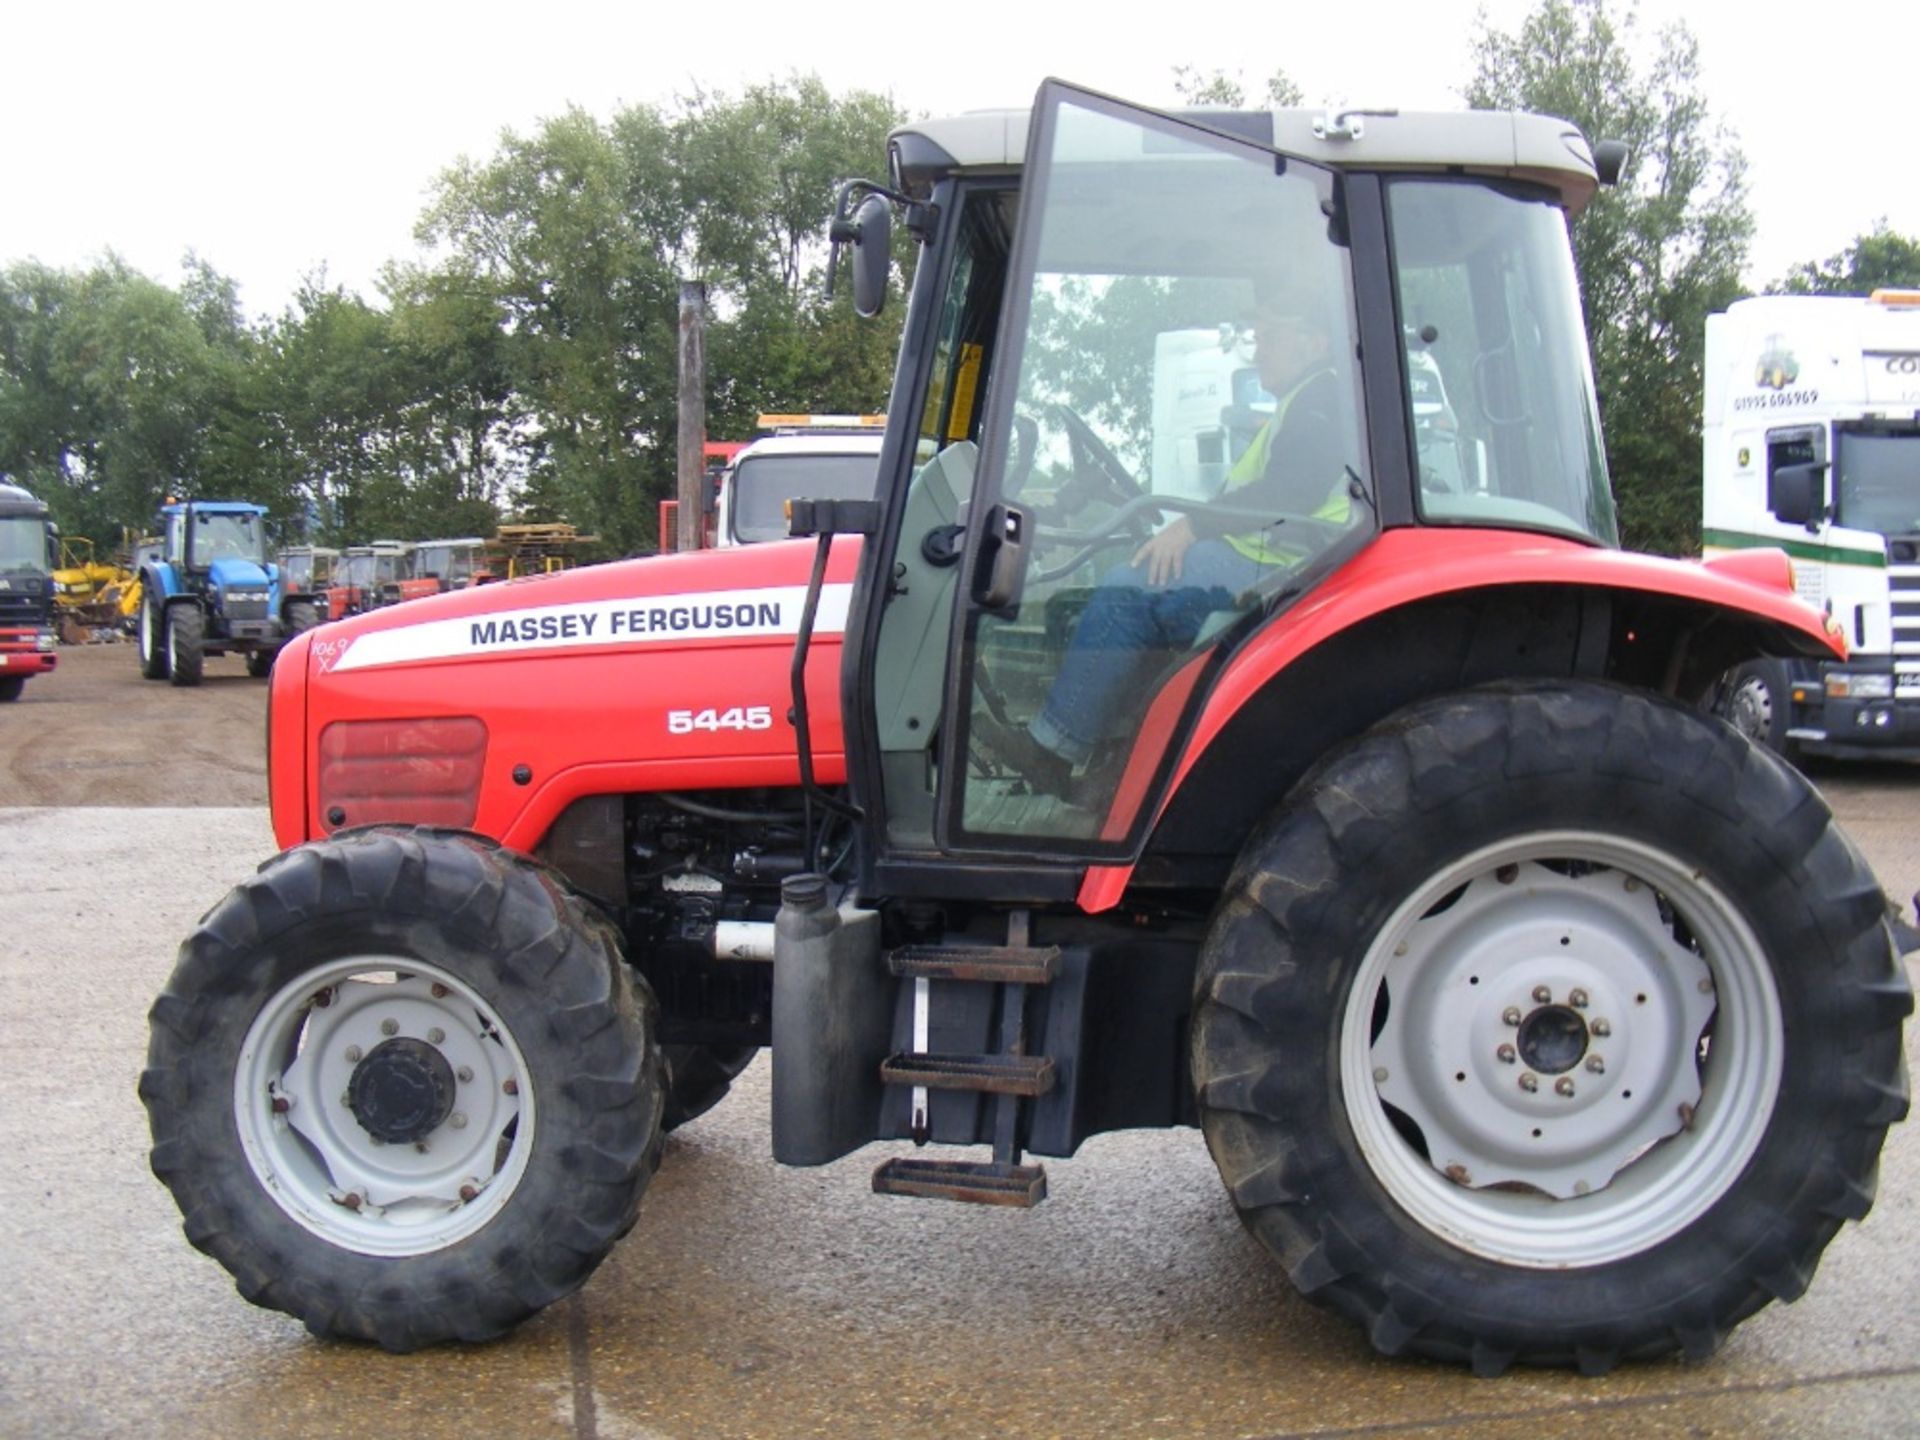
(1843, 686)
(46, 640)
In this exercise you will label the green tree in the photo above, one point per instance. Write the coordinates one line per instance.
(1217, 87)
(1656, 255)
(1880, 259)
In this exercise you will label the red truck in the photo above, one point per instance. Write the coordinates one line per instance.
(28, 555)
(1530, 1013)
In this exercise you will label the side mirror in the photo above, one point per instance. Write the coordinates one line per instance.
(872, 255)
(1610, 161)
(1797, 494)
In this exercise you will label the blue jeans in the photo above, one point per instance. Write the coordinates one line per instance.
(1126, 633)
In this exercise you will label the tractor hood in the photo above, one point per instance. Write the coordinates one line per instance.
(496, 707)
(230, 574)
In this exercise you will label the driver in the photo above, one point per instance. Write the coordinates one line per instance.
(1205, 559)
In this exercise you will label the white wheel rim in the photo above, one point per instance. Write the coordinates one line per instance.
(146, 633)
(1643, 1130)
(320, 1163)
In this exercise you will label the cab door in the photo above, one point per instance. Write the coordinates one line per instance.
(1178, 307)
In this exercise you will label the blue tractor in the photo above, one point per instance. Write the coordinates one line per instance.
(208, 588)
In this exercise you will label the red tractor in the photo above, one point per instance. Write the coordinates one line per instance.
(1382, 832)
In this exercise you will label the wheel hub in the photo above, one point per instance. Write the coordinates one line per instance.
(1552, 1039)
(1542, 1028)
(401, 1092)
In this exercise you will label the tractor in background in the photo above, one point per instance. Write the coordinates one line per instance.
(209, 589)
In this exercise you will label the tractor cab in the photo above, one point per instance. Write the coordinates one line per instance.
(1289, 343)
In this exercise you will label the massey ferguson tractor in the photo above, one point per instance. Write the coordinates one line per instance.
(1530, 1012)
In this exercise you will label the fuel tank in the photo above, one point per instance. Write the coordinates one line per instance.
(494, 708)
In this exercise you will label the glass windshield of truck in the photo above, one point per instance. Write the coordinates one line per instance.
(1499, 382)
(227, 536)
(1878, 486)
(762, 485)
(23, 545)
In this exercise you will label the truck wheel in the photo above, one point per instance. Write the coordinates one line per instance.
(302, 615)
(402, 1086)
(153, 640)
(1549, 1023)
(12, 685)
(260, 662)
(1758, 704)
(698, 1078)
(186, 644)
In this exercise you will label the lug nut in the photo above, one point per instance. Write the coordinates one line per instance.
(467, 1192)
(1601, 1028)
(510, 1087)
(352, 1200)
(464, 1074)
(457, 1120)
(1578, 999)
(389, 1027)
(1596, 1064)
(1511, 1015)
(281, 1104)
(353, 1054)
(1564, 1086)
(1529, 1082)
(1706, 986)
(439, 991)
(1379, 1074)
(1542, 995)
(436, 1036)
(1507, 1054)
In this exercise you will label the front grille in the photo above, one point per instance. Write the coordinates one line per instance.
(246, 609)
(1903, 586)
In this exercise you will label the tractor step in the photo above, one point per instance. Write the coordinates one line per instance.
(990, 1074)
(991, 964)
(976, 1182)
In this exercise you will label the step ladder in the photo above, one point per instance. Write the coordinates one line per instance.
(1009, 1074)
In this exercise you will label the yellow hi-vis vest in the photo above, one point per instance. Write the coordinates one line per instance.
(1337, 508)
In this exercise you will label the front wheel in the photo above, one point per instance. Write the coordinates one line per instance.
(186, 644)
(1550, 1023)
(402, 1086)
(10, 687)
(1758, 704)
(153, 639)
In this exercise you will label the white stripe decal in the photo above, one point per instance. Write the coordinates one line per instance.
(630, 623)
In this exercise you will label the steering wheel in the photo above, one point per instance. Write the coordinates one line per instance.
(1097, 473)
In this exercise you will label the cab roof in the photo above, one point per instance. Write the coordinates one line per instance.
(1504, 144)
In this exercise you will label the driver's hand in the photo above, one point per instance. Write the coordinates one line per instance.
(1165, 555)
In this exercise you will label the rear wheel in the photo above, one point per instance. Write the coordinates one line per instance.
(1492, 1035)
(402, 1086)
(153, 639)
(186, 644)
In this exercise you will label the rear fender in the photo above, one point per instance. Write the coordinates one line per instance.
(1424, 612)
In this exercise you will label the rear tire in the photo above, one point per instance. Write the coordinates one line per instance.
(186, 643)
(404, 1087)
(153, 639)
(1707, 999)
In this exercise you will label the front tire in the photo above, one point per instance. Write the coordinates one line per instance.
(1595, 890)
(10, 688)
(186, 644)
(402, 1086)
(1758, 704)
(153, 640)
(699, 1077)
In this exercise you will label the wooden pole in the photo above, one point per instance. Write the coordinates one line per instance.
(693, 415)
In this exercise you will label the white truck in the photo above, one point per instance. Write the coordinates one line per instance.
(1811, 443)
(819, 457)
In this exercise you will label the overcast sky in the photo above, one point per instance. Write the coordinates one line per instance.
(277, 139)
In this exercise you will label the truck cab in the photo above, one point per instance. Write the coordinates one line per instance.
(1811, 443)
(822, 456)
(29, 552)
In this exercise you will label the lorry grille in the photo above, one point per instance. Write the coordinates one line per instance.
(246, 607)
